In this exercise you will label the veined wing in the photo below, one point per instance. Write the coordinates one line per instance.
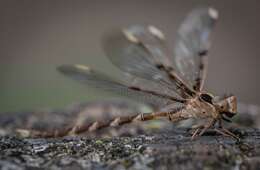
(152, 40)
(96, 79)
(192, 45)
(141, 51)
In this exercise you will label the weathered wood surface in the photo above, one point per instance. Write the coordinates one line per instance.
(132, 147)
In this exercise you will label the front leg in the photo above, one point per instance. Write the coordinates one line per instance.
(225, 132)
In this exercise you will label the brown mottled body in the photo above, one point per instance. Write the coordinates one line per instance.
(78, 129)
(195, 108)
(141, 52)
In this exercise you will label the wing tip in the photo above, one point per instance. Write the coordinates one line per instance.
(156, 32)
(82, 67)
(130, 36)
(213, 13)
(67, 68)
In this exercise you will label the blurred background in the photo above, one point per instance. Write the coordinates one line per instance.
(38, 36)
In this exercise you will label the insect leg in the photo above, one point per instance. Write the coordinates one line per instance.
(196, 132)
(225, 131)
(202, 129)
(207, 126)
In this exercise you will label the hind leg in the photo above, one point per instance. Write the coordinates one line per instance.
(225, 132)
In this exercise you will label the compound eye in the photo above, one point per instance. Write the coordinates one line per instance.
(206, 98)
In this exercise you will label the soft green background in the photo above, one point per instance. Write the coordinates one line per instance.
(40, 86)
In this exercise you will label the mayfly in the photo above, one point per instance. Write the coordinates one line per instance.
(172, 81)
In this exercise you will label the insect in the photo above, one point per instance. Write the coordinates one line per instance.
(173, 81)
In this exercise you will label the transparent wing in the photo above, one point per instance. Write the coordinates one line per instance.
(96, 79)
(192, 45)
(140, 51)
(154, 41)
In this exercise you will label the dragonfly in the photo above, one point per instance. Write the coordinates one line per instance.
(173, 80)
